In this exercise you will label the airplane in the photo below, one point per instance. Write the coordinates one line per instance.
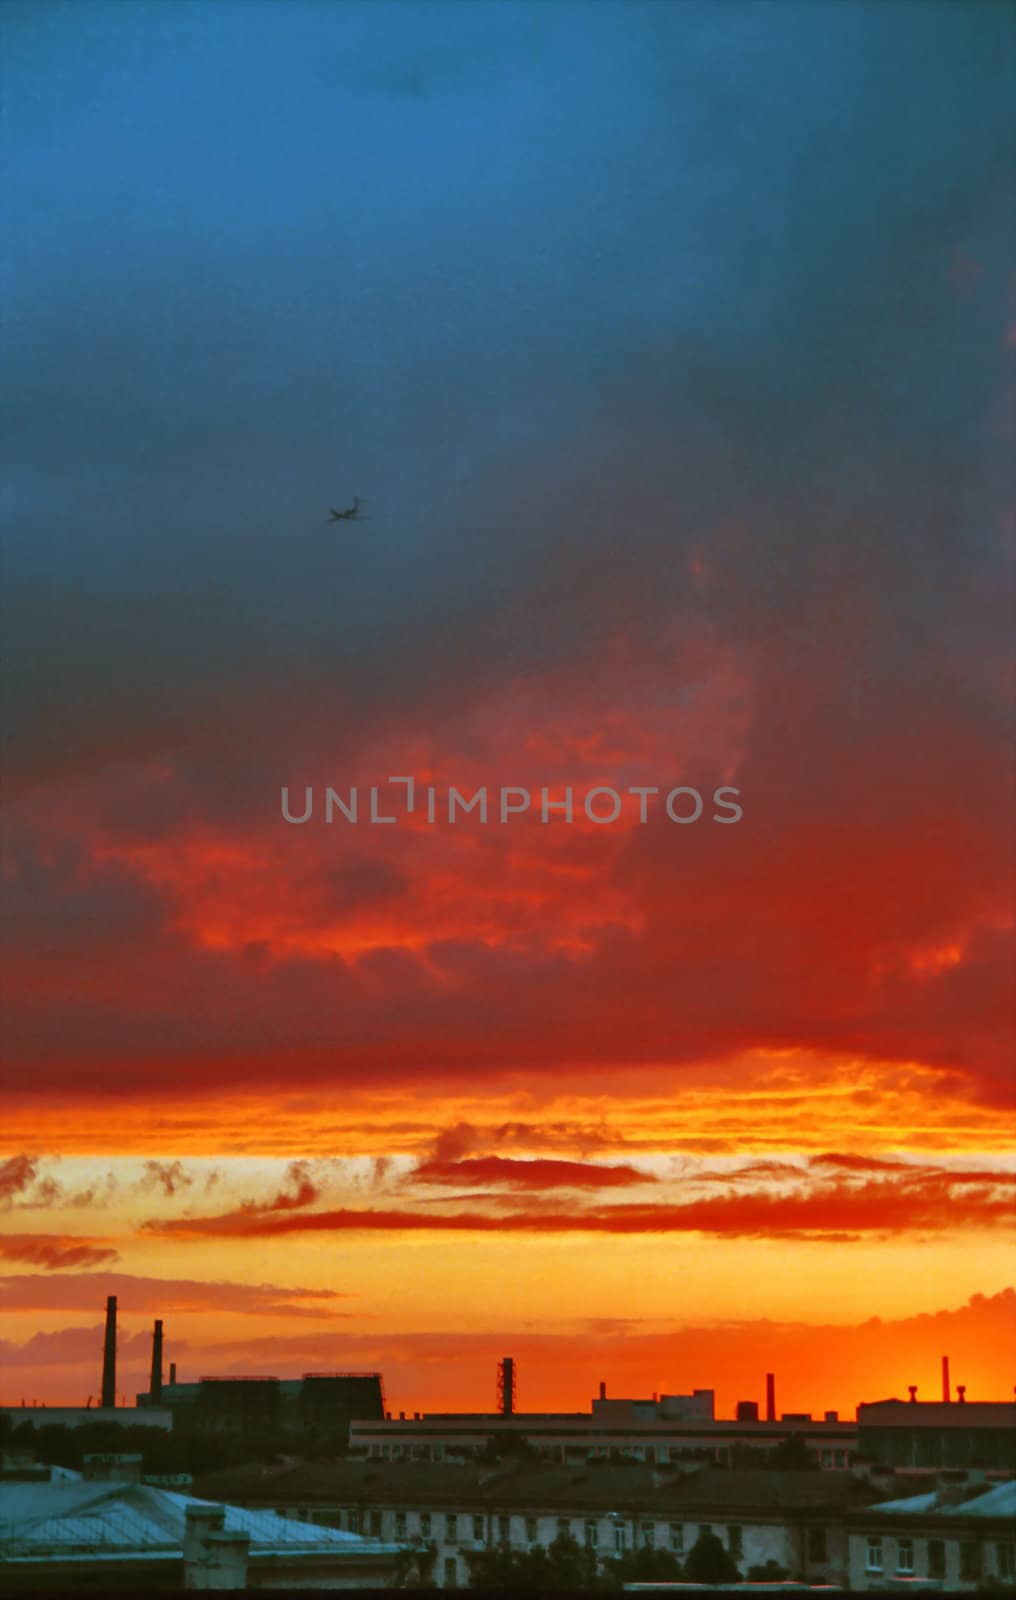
(350, 514)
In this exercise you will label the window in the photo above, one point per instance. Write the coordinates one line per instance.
(874, 1561)
(400, 1524)
(592, 1534)
(735, 1541)
(1005, 1560)
(354, 1522)
(451, 1528)
(425, 1524)
(904, 1555)
(451, 1572)
(375, 1524)
(816, 1544)
(620, 1540)
(970, 1559)
(504, 1529)
(647, 1535)
(532, 1530)
(936, 1558)
(677, 1537)
(827, 1458)
(478, 1530)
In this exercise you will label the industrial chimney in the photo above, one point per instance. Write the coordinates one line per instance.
(155, 1382)
(506, 1386)
(603, 1390)
(109, 1357)
(770, 1397)
(946, 1395)
(172, 1372)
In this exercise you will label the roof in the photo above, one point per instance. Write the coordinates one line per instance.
(999, 1501)
(937, 1414)
(115, 1519)
(532, 1486)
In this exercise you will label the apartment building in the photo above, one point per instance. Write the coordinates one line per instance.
(795, 1519)
(959, 1536)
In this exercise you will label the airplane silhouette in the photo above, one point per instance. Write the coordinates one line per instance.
(350, 514)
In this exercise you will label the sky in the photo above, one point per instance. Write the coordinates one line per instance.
(671, 348)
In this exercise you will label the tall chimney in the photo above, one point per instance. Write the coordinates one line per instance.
(506, 1386)
(603, 1390)
(109, 1357)
(172, 1372)
(770, 1397)
(946, 1396)
(155, 1382)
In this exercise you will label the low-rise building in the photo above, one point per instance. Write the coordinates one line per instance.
(87, 1416)
(795, 1519)
(668, 1428)
(134, 1536)
(956, 1537)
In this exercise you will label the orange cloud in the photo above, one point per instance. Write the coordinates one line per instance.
(57, 1252)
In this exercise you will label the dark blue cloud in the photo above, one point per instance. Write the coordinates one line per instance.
(562, 289)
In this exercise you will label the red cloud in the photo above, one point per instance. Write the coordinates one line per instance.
(533, 1174)
(17, 1174)
(921, 1200)
(83, 1290)
(56, 1251)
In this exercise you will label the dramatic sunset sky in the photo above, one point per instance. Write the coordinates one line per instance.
(673, 346)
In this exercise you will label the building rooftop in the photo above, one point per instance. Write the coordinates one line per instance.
(79, 1520)
(999, 1501)
(528, 1485)
(937, 1414)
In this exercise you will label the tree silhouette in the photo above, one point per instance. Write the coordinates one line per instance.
(709, 1562)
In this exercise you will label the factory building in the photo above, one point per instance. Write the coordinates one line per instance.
(319, 1406)
(938, 1433)
(666, 1428)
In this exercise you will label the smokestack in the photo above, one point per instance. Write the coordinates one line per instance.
(946, 1396)
(172, 1372)
(770, 1397)
(109, 1357)
(155, 1382)
(506, 1386)
(603, 1390)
